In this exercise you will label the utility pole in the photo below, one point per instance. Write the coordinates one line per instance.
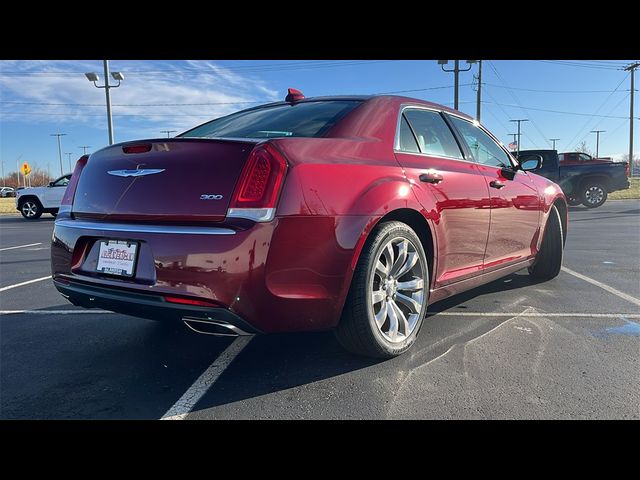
(631, 69)
(168, 132)
(59, 149)
(554, 140)
(456, 70)
(597, 132)
(519, 122)
(69, 156)
(84, 149)
(479, 93)
(18, 169)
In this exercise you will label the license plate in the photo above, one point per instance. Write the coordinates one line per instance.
(117, 257)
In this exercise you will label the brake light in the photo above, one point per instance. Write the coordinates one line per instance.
(70, 192)
(256, 194)
(189, 301)
(137, 148)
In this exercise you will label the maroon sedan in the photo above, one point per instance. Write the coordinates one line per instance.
(345, 213)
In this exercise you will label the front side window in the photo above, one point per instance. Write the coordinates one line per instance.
(584, 157)
(483, 148)
(432, 133)
(304, 119)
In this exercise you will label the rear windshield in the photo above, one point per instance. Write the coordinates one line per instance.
(305, 119)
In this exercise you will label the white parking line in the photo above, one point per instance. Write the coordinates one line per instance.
(24, 283)
(609, 289)
(196, 391)
(536, 314)
(20, 246)
(52, 312)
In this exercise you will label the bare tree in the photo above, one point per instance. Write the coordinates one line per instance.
(584, 148)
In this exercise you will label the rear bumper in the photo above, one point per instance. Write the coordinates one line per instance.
(146, 306)
(291, 274)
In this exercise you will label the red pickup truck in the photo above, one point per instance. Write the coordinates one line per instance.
(579, 158)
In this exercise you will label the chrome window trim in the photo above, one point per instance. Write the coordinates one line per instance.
(396, 142)
(138, 228)
(475, 123)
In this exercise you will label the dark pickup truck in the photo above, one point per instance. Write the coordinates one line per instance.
(589, 183)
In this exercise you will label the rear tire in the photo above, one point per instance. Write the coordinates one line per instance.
(388, 297)
(593, 195)
(31, 209)
(549, 260)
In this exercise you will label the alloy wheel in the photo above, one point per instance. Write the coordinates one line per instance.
(29, 209)
(594, 195)
(396, 291)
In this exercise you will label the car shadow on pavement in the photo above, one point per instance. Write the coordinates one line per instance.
(275, 363)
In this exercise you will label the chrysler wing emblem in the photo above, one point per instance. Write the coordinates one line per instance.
(135, 173)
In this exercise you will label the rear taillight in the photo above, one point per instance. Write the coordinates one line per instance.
(256, 194)
(69, 193)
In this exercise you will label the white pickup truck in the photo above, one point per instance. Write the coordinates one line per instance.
(34, 201)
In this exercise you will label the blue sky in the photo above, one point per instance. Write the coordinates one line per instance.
(38, 98)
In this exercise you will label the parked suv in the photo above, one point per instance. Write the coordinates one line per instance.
(32, 202)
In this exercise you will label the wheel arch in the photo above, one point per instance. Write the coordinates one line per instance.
(24, 198)
(414, 219)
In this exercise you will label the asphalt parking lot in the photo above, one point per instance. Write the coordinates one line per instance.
(568, 348)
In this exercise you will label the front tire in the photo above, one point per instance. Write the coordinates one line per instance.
(593, 195)
(549, 259)
(31, 209)
(388, 298)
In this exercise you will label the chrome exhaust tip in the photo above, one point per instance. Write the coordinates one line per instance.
(213, 327)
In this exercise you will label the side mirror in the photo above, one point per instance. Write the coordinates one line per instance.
(530, 163)
(51, 184)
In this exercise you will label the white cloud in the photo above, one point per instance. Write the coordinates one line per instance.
(164, 83)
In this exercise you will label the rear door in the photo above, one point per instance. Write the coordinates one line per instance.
(53, 194)
(434, 163)
(515, 203)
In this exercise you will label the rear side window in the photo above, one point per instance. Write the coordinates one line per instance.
(432, 133)
(407, 140)
(304, 119)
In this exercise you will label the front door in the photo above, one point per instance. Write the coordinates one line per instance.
(54, 193)
(515, 203)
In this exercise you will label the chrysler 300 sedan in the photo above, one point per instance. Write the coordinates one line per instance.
(349, 213)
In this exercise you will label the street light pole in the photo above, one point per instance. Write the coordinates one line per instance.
(554, 140)
(108, 95)
(168, 132)
(84, 149)
(519, 122)
(93, 77)
(597, 132)
(59, 149)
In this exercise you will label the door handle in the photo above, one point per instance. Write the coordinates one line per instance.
(431, 177)
(496, 184)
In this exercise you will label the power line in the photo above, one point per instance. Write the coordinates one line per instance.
(513, 95)
(550, 91)
(599, 108)
(580, 65)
